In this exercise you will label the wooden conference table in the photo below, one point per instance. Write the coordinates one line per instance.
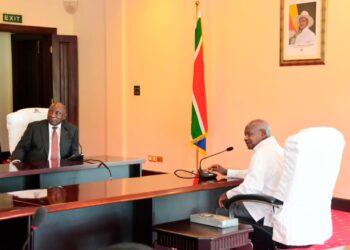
(34, 175)
(95, 215)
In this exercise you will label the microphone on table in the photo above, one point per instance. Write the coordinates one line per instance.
(205, 176)
(79, 156)
(38, 218)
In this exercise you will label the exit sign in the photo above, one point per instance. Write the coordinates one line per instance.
(11, 18)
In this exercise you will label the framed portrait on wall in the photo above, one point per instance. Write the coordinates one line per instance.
(302, 32)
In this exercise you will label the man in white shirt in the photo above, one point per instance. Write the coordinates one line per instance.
(304, 36)
(262, 176)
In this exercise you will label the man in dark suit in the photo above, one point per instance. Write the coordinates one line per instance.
(36, 142)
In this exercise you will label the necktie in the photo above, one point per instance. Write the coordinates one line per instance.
(54, 147)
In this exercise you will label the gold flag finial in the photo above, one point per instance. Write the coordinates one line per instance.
(197, 3)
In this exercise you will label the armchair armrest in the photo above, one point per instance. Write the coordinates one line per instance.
(254, 197)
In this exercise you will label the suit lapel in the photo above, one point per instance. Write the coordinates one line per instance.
(44, 130)
(64, 136)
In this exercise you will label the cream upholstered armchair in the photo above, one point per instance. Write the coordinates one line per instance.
(17, 123)
(302, 201)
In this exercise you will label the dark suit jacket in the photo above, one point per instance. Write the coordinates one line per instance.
(34, 144)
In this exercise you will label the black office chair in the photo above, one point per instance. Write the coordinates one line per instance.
(301, 214)
(262, 236)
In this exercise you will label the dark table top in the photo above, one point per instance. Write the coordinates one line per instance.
(41, 167)
(55, 199)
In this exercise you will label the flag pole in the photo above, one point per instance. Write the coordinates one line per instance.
(197, 151)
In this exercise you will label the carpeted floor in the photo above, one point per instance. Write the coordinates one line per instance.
(341, 232)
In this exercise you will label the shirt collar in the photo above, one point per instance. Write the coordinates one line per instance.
(57, 126)
(267, 141)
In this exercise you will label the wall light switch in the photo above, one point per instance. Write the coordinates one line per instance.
(137, 90)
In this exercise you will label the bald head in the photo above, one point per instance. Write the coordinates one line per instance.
(57, 113)
(256, 131)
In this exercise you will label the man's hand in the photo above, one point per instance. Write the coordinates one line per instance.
(14, 164)
(218, 168)
(222, 200)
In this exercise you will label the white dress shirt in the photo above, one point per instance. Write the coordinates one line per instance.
(305, 37)
(262, 177)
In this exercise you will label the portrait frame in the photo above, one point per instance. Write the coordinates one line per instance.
(302, 32)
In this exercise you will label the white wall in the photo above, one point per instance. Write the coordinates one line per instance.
(47, 13)
(90, 26)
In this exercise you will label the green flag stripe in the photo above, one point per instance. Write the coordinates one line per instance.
(198, 33)
(196, 129)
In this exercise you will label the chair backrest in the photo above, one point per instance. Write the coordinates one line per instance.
(18, 121)
(312, 160)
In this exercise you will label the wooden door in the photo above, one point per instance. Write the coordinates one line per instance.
(65, 74)
(31, 70)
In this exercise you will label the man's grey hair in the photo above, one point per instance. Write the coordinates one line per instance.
(261, 124)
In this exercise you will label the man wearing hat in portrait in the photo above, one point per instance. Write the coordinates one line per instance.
(304, 36)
